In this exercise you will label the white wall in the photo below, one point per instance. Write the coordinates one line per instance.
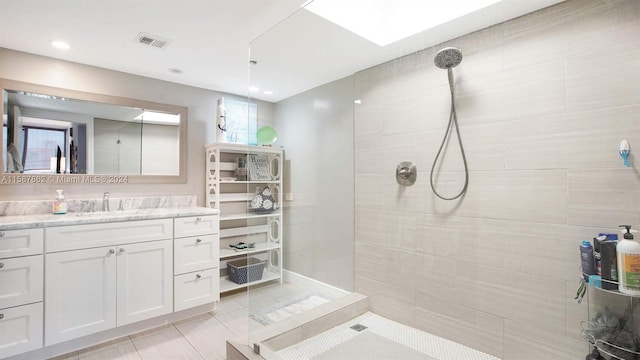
(201, 106)
(316, 130)
(543, 102)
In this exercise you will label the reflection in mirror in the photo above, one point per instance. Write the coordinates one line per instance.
(56, 131)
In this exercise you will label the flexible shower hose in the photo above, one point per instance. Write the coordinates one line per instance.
(453, 119)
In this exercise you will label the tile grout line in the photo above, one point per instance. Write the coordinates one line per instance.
(135, 347)
(188, 342)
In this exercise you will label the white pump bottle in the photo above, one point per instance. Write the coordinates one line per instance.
(628, 254)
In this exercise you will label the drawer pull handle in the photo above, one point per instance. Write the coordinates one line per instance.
(1, 265)
(199, 240)
(1, 316)
(198, 219)
(121, 250)
(112, 251)
(198, 276)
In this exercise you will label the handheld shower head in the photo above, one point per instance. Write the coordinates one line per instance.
(448, 58)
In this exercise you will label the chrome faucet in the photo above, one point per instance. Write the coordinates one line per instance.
(105, 202)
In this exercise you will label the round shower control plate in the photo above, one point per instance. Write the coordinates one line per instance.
(406, 173)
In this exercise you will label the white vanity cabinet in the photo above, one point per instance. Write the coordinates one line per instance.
(88, 290)
(69, 282)
(196, 261)
(21, 291)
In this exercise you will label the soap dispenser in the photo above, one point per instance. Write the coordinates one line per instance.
(59, 206)
(628, 263)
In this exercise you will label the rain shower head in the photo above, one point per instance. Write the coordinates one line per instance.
(448, 58)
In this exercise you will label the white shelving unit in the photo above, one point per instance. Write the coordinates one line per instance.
(237, 224)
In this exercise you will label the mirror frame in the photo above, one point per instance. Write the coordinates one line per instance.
(72, 179)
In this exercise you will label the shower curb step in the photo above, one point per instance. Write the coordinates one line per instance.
(308, 324)
(236, 351)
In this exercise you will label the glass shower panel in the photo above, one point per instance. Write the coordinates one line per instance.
(314, 125)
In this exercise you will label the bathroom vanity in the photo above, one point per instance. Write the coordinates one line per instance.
(70, 281)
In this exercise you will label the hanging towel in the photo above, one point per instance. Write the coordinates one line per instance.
(14, 164)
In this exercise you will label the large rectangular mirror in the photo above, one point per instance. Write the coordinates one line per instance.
(53, 135)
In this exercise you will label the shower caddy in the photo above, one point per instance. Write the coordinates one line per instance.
(237, 223)
(602, 323)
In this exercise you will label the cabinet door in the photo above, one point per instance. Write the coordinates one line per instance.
(20, 329)
(21, 281)
(145, 280)
(80, 293)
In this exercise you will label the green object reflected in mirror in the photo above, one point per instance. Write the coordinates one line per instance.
(266, 135)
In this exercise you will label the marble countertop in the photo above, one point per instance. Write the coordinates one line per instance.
(78, 218)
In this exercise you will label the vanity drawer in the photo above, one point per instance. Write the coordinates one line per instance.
(21, 329)
(196, 288)
(74, 237)
(15, 243)
(196, 225)
(196, 253)
(22, 280)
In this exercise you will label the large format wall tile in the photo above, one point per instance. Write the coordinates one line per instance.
(570, 28)
(537, 196)
(476, 240)
(573, 140)
(404, 268)
(483, 146)
(477, 329)
(523, 341)
(385, 157)
(543, 102)
(535, 300)
(387, 228)
(523, 92)
(603, 198)
(546, 249)
(606, 77)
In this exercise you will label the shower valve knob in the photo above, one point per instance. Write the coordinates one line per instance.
(406, 173)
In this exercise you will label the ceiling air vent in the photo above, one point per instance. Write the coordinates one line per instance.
(152, 40)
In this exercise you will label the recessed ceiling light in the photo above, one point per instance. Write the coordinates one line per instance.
(268, 92)
(60, 45)
(254, 88)
(385, 22)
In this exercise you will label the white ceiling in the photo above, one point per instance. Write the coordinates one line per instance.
(210, 39)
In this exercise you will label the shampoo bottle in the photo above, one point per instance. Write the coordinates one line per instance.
(586, 259)
(59, 206)
(609, 263)
(628, 263)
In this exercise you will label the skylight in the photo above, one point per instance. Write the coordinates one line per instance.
(386, 21)
(158, 118)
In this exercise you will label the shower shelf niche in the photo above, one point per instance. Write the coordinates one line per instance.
(237, 224)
